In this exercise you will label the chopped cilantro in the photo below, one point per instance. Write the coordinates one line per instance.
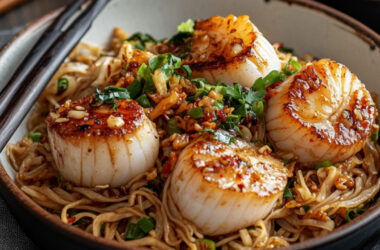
(141, 40)
(322, 164)
(35, 136)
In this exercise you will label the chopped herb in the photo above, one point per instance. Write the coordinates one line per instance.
(285, 50)
(146, 75)
(71, 213)
(110, 94)
(62, 85)
(185, 31)
(231, 122)
(35, 136)
(126, 67)
(352, 212)
(146, 224)
(296, 66)
(187, 26)
(287, 192)
(254, 96)
(259, 108)
(187, 70)
(322, 164)
(205, 244)
(306, 208)
(166, 62)
(172, 127)
(134, 89)
(273, 77)
(224, 136)
(140, 229)
(219, 104)
(209, 130)
(196, 113)
(143, 100)
(141, 40)
(133, 232)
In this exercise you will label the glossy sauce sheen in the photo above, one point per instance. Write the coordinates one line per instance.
(95, 122)
(321, 113)
(238, 168)
(222, 188)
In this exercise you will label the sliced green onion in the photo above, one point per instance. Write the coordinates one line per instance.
(35, 136)
(259, 108)
(187, 26)
(219, 104)
(205, 244)
(196, 113)
(172, 127)
(143, 100)
(295, 65)
(273, 77)
(146, 224)
(322, 164)
(62, 85)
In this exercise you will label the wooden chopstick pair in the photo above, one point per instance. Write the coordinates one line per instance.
(30, 79)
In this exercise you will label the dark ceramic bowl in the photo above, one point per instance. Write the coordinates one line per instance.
(307, 26)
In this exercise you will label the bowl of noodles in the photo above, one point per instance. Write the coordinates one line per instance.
(200, 125)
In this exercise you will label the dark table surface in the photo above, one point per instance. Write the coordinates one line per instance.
(12, 236)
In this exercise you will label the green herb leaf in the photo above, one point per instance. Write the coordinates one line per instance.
(306, 208)
(143, 100)
(205, 244)
(224, 136)
(273, 77)
(287, 192)
(187, 70)
(322, 164)
(285, 50)
(133, 232)
(294, 64)
(146, 224)
(110, 94)
(219, 104)
(187, 26)
(62, 85)
(134, 89)
(196, 113)
(254, 96)
(231, 122)
(172, 127)
(35, 136)
(141, 40)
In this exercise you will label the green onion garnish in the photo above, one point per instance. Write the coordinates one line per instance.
(295, 65)
(134, 89)
(196, 113)
(35, 136)
(62, 85)
(273, 77)
(306, 208)
(322, 164)
(259, 108)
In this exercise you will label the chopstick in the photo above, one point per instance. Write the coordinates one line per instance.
(25, 97)
(39, 49)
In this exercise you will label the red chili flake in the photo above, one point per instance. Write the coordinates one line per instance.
(166, 169)
(166, 117)
(241, 186)
(208, 116)
(238, 176)
(221, 115)
(71, 219)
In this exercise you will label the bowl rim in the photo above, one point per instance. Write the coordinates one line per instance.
(362, 31)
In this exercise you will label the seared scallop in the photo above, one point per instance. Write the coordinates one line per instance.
(224, 187)
(101, 145)
(323, 112)
(229, 49)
